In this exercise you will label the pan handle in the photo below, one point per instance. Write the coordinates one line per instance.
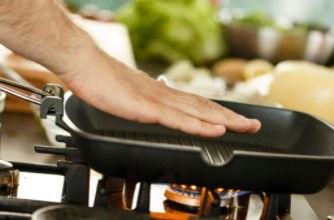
(24, 87)
(20, 95)
(18, 82)
(48, 90)
(50, 100)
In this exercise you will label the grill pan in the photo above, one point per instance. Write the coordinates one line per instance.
(292, 153)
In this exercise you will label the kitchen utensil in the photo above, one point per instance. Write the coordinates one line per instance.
(274, 45)
(293, 152)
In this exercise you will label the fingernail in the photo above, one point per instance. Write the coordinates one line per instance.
(245, 120)
(220, 127)
(256, 123)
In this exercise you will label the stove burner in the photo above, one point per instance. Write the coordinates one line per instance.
(191, 195)
(9, 179)
(192, 200)
(184, 195)
(174, 207)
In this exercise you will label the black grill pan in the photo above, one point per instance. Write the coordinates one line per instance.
(293, 152)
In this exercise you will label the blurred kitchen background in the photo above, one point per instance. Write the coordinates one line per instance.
(269, 52)
(275, 52)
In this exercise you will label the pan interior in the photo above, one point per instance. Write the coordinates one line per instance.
(283, 131)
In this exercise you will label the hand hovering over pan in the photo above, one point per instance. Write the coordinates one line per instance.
(41, 31)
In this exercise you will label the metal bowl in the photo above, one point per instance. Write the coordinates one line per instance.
(274, 45)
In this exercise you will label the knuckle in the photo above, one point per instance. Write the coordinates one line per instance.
(149, 113)
(202, 109)
(201, 104)
(203, 125)
(181, 115)
(147, 117)
(204, 101)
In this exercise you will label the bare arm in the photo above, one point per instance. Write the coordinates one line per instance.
(40, 30)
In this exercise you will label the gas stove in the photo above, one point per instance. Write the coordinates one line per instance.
(71, 189)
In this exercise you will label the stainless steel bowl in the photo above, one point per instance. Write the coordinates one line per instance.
(275, 45)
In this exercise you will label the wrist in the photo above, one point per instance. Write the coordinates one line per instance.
(71, 52)
(87, 63)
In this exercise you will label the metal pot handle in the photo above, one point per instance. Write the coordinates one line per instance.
(48, 90)
(51, 99)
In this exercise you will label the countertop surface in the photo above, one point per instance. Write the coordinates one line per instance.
(19, 134)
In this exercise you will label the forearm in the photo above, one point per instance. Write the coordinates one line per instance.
(40, 30)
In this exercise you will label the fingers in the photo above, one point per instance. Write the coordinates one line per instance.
(211, 112)
(179, 120)
(256, 126)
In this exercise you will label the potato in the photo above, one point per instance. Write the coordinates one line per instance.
(230, 69)
(304, 86)
(257, 67)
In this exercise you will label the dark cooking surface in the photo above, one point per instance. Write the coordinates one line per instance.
(217, 152)
(293, 152)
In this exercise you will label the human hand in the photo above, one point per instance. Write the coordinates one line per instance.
(116, 89)
(45, 34)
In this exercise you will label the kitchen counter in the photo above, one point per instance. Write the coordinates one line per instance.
(21, 132)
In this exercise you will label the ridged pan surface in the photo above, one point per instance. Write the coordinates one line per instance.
(293, 152)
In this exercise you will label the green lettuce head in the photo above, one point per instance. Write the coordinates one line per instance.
(173, 30)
